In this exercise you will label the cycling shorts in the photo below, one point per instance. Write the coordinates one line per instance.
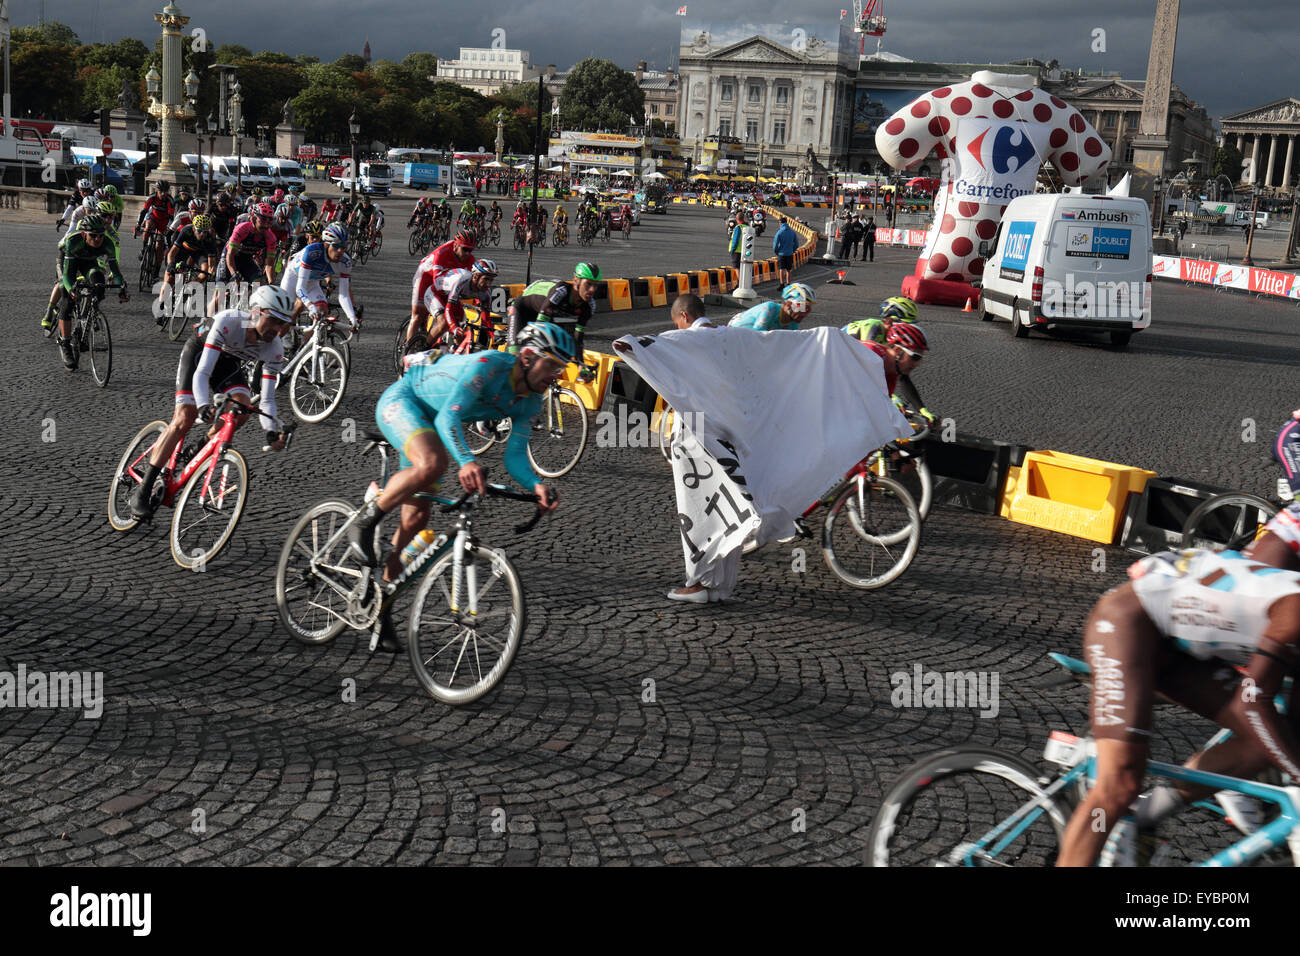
(401, 417)
(227, 377)
(246, 266)
(1286, 525)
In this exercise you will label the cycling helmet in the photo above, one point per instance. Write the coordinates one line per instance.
(549, 339)
(335, 235)
(196, 206)
(281, 218)
(485, 267)
(92, 224)
(111, 190)
(908, 335)
(91, 204)
(105, 209)
(201, 222)
(587, 270)
(313, 228)
(85, 185)
(222, 199)
(898, 307)
(284, 210)
(866, 330)
(162, 184)
(292, 199)
(800, 295)
(465, 239)
(102, 194)
(278, 196)
(273, 299)
(263, 210)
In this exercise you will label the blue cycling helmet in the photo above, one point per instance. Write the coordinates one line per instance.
(549, 339)
(335, 235)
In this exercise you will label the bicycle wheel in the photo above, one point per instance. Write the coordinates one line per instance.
(130, 471)
(99, 343)
(311, 601)
(480, 436)
(413, 243)
(944, 809)
(918, 481)
(377, 247)
(208, 509)
(399, 346)
(146, 268)
(666, 434)
(460, 649)
(317, 385)
(178, 321)
(559, 433)
(871, 533)
(1231, 521)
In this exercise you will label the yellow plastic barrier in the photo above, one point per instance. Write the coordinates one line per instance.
(1073, 495)
(703, 276)
(682, 281)
(591, 393)
(620, 294)
(658, 290)
(513, 289)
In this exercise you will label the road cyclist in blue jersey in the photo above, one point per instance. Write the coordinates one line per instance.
(797, 300)
(423, 415)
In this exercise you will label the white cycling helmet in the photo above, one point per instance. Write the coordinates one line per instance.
(800, 296)
(273, 299)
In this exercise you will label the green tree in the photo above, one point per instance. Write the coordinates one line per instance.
(419, 67)
(600, 95)
(397, 122)
(324, 111)
(229, 52)
(351, 63)
(45, 82)
(1227, 162)
(51, 34)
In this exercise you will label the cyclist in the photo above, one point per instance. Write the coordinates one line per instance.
(451, 288)
(519, 219)
(569, 305)
(296, 219)
(109, 194)
(360, 216)
(467, 209)
(1170, 630)
(195, 245)
(539, 233)
(796, 302)
(83, 191)
(210, 362)
(158, 209)
(321, 260)
(223, 216)
(282, 227)
(896, 309)
(80, 252)
(494, 214)
(184, 216)
(423, 415)
(305, 202)
(419, 214)
(625, 217)
(329, 210)
(247, 240)
(561, 219)
(456, 253)
(606, 220)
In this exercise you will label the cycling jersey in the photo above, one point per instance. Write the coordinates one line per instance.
(305, 270)
(228, 339)
(1220, 619)
(179, 221)
(764, 317)
(223, 222)
(557, 301)
(79, 256)
(441, 259)
(247, 240)
(455, 390)
(448, 290)
(159, 211)
(188, 245)
(1286, 525)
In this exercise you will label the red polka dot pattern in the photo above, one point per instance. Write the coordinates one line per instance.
(1059, 104)
(980, 90)
(948, 224)
(976, 266)
(908, 147)
(1069, 161)
(939, 126)
(962, 246)
(1058, 138)
(938, 263)
(943, 93)
(1092, 146)
(968, 209)
(895, 126)
(985, 228)
(1077, 123)
(961, 106)
(1042, 112)
(954, 277)
(920, 108)
(1002, 109)
(1026, 96)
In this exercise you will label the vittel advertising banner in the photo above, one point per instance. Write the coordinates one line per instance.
(997, 160)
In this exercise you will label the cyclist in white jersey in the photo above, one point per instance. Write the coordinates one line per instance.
(1171, 630)
(315, 262)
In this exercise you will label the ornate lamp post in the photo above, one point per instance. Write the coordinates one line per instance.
(212, 146)
(354, 130)
(501, 137)
(170, 110)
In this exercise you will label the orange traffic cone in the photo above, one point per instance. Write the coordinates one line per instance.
(968, 308)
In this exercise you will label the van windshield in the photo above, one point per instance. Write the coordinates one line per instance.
(378, 169)
(257, 166)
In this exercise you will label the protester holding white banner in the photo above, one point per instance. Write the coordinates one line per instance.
(758, 452)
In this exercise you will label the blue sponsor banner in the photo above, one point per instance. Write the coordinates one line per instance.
(1098, 242)
(1015, 250)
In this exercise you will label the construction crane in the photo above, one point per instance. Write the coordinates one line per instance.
(869, 21)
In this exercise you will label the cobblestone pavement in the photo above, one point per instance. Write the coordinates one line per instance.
(765, 711)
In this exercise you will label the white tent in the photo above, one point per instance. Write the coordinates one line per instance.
(494, 165)
(655, 176)
(622, 172)
(464, 162)
(524, 166)
(554, 169)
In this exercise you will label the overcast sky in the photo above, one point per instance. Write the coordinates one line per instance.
(1231, 54)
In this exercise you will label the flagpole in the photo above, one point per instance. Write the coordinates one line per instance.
(537, 163)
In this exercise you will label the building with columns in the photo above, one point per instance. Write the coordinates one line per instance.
(487, 70)
(780, 89)
(1266, 138)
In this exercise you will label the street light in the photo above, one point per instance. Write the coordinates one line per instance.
(354, 129)
(239, 156)
(1160, 209)
(152, 81)
(212, 148)
(1250, 231)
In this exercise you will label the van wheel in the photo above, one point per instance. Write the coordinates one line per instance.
(1019, 329)
(1119, 340)
(983, 312)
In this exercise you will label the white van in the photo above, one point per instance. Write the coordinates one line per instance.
(257, 173)
(1070, 261)
(286, 172)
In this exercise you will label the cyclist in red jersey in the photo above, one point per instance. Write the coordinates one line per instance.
(158, 209)
(457, 253)
(328, 210)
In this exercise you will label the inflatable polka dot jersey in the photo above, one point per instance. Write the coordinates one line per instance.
(990, 135)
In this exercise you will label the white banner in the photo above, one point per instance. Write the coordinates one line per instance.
(997, 160)
(778, 418)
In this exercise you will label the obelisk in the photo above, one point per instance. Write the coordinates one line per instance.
(1152, 141)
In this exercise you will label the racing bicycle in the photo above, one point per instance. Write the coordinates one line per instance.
(318, 371)
(558, 437)
(89, 329)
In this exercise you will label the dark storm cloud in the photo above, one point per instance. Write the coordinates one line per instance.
(1230, 56)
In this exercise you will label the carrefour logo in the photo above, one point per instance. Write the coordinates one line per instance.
(1011, 149)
